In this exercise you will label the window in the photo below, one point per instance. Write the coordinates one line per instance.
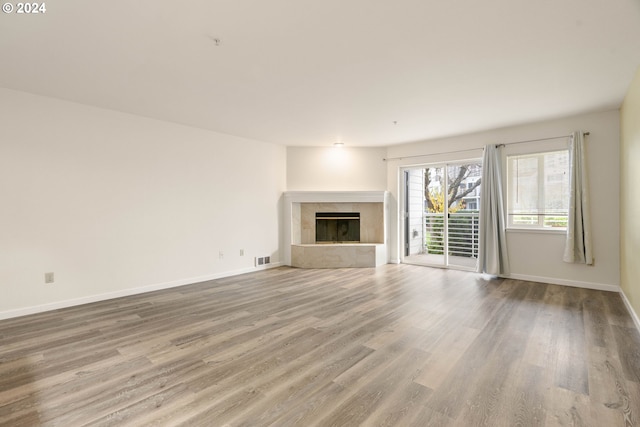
(538, 190)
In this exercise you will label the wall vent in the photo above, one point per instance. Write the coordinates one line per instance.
(262, 260)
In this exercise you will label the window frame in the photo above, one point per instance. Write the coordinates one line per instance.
(538, 150)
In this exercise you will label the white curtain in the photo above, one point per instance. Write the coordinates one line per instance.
(578, 247)
(493, 258)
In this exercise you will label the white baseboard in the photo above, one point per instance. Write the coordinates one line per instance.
(630, 309)
(564, 282)
(128, 292)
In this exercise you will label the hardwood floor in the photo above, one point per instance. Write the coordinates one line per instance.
(396, 345)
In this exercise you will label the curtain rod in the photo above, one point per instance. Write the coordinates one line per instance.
(479, 148)
(432, 154)
(541, 139)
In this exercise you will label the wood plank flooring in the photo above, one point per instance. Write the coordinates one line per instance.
(397, 345)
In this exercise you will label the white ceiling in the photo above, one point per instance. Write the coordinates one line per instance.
(302, 72)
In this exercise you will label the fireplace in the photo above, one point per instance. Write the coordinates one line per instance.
(366, 245)
(337, 227)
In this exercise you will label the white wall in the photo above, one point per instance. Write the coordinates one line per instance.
(336, 169)
(114, 204)
(536, 256)
(630, 196)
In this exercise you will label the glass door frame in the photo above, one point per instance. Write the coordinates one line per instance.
(405, 206)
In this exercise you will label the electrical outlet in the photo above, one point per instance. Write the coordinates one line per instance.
(241, 252)
(220, 255)
(49, 278)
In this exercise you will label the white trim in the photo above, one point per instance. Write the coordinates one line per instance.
(565, 282)
(127, 292)
(558, 231)
(335, 196)
(630, 309)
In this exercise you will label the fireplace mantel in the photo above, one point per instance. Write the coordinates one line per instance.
(298, 228)
(335, 196)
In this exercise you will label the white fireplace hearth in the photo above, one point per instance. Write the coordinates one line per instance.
(300, 212)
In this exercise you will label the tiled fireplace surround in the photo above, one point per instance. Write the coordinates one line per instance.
(301, 250)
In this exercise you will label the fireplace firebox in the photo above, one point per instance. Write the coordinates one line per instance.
(337, 227)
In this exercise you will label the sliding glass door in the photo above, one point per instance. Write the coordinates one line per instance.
(441, 214)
